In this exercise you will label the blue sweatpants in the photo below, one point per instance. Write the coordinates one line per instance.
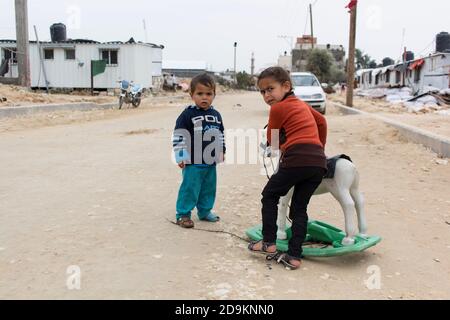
(198, 189)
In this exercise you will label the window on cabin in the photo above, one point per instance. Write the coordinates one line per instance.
(110, 56)
(417, 75)
(70, 54)
(11, 54)
(49, 54)
(114, 57)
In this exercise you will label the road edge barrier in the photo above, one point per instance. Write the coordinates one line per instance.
(436, 143)
(6, 112)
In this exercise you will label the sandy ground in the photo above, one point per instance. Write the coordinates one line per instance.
(97, 195)
(432, 122)
(48, 119)
(17, 96)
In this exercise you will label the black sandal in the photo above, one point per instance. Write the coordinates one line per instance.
(286, 260)
(265, 247)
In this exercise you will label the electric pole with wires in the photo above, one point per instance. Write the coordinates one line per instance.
(23, 45)
(312, 25)
(351, 53)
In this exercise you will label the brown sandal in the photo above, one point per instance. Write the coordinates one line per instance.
(185, 222)
(264, 249)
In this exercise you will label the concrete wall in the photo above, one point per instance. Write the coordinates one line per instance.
(13, 81)
(438, 144)
(285, 62)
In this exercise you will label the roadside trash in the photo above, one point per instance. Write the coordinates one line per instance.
(443, 162)
(430, 100)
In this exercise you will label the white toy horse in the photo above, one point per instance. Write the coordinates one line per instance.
(345, 189)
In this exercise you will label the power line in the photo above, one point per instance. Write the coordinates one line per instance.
(429, 45)
(307, 20)
(288, 39)
(402, 48)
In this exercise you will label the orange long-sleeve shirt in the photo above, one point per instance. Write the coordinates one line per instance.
(305, 131)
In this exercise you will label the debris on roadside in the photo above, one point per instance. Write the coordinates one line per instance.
(431, 100)
(443, 162)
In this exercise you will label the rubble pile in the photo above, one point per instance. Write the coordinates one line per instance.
(432, 100)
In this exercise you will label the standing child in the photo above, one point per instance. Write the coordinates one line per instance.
(303, 134)
(199, 145)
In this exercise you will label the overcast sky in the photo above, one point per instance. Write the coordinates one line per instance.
(206, 29)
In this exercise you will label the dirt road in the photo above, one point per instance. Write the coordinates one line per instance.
(97, 195)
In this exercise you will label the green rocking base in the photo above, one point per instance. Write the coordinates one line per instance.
(322, 240)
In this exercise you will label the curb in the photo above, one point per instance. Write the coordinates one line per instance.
(438, 144)
(19, 111)
(85, 106)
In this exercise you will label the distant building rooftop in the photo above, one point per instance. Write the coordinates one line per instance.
(184, 65)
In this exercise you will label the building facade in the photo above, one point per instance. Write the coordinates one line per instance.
(418, 74)
(184, 69)
(306, 44)
(67, 64)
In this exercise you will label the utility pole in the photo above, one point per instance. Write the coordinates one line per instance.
(404, 69)
(312, 25)
(351, 56)
(23, 45)
(145, 31)
(253, 65)
(41, 59)
(235, 75)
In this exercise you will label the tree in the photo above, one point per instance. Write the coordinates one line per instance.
(388, 61)
(364, 61)
(320, 63)
(244, 80)
(336, 76)
(373, 64)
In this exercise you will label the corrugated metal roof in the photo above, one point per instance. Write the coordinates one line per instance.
(376, 71)
(84, 41)
(362, 71)
(400, 66)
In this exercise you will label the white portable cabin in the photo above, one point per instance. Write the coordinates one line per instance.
(432, 71)
(68, 63)
(418, 74)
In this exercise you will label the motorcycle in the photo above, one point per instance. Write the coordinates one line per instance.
(130, 93)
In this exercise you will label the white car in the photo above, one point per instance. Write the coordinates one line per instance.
(308, 88)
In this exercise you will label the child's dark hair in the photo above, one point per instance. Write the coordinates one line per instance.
(277, 73)
(203, 79)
